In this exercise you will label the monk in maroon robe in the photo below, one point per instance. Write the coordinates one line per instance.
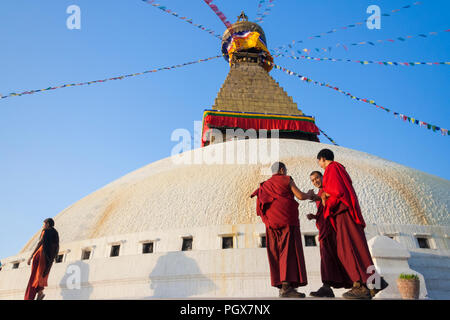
(278, 210)
(332, 272)
(342, 208)
(42, 259)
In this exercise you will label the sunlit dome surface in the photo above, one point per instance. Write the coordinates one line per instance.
(166, 195)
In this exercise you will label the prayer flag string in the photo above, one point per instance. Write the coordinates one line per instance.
(396, 39)
(104, 80)
(331, 140)
(365, 62)
(258, 11)
(347, 27)
(185, 19)
(218, 13)
(372, 43)
(369, 101)
(261, 15)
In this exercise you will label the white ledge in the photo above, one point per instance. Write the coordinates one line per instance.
(422, 234)
(116, 242)
(149, 240)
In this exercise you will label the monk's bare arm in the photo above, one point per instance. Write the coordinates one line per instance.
(324, 197)
(300, 195)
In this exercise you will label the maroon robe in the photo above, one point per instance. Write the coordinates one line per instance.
(279, 211)
(42, 262)
(342, 208)
(331, 270)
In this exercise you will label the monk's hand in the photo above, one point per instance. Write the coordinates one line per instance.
(29, 261)
(324, 197)
(315, 198)
(311, 216)
(311, 194)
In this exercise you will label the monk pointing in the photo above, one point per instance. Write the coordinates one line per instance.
(278, 209)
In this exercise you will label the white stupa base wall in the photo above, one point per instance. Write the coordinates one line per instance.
(237, 273)
(391, 259)
(208, 271)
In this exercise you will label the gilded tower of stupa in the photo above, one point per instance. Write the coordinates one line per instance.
(250, 98)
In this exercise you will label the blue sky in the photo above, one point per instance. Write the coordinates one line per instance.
(59, 146)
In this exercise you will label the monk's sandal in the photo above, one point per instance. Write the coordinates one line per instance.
(358, 292)
(290, 292)
(323, 292)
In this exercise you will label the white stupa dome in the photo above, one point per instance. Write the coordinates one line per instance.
(166, 195)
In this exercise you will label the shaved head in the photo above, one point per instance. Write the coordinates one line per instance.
(277, 167)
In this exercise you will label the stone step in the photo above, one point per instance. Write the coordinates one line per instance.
(248, 87)
(254, 104)
(254, 97)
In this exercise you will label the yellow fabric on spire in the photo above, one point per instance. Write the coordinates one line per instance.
(248, 41)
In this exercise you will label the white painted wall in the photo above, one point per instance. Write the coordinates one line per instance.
(206, 271)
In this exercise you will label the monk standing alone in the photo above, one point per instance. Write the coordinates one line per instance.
(279, 211)
(342, 208)
(42, 258)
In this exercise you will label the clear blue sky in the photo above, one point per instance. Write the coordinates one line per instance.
(59, 146)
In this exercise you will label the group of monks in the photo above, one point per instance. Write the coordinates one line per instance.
(345, 257)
